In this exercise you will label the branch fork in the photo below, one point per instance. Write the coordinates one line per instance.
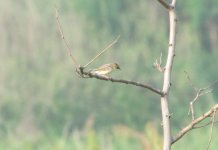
(199, 92)
(193, 124)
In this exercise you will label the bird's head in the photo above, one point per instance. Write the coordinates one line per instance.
(116, 66)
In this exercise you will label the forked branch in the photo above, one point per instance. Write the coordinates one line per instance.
(193, 124)
(199, 92)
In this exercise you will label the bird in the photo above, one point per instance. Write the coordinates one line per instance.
(105, 69)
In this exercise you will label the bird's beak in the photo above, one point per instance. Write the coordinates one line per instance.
(119, 68)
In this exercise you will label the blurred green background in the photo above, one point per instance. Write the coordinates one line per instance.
(43, 103)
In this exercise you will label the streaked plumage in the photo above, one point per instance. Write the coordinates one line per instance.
(105, 69)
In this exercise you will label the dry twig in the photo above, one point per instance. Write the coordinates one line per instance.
(157, 64)
(66, 44)
(102, 51)
(64, 40)
(199, 92)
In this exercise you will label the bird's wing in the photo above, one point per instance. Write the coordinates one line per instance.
(105, 66)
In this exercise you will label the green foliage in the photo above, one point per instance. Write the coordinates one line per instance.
(153, 136)
(120, 139)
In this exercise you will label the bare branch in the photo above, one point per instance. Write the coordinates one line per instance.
(102, 51)
(205, 92)
(90, 75)
(167, 6)
(191, 108)
(211, 130)
(192, 125)
(200, 92)
(167, 76)
(64, 40)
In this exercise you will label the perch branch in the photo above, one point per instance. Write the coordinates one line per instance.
(90, 75)
(64, 40)
(193, 124)
(102, 51)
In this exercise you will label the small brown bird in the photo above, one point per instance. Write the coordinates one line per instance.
(105, 69)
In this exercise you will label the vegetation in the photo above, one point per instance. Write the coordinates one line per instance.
(45, 105)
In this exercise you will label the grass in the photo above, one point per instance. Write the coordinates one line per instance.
(119, 138)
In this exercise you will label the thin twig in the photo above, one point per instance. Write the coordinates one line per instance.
(211, 130)
(210, 85)
(90, 75)
(199, 92)
(197, 127)
(102, 51)
(64, 40)
(190, 81)
(193, 123)
(191, 108)
(160, 59)
(157, 64)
